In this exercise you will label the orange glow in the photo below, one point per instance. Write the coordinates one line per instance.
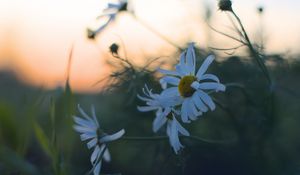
(38, 35)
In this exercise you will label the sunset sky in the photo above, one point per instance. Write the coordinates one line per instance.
(36, 35)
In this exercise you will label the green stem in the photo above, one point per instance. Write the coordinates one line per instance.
(253, 51)
(158, 34)
(153, 138)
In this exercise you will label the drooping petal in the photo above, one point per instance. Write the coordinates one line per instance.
(198, 102)
(97, 168)
(206, 99)
(182, 130)
(170, 80)
(88, 135)
(109, 138)
(212, 86)
(106, 156)
(81, 129)
(168, 72)
(205, 66)
(209, 77)
(95, 154)
(146, 108)
(184, 111)
(170, 92)
(92, 143)
(84, 123)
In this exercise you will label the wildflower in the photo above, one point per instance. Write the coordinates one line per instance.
(225, 5)
(191, 86)
(109, 14)
(164, 106)
(89, 129)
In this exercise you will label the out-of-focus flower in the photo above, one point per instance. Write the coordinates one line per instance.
(90, 131)
(109, 14)
(164, 104)
(225, 5)
(191, 86)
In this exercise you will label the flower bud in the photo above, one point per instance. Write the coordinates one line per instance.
(225, 5)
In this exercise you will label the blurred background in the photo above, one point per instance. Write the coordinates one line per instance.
(48, 65)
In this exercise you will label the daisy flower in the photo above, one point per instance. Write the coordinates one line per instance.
(165, 114)
(109, 15)
(90, 131)
(190, 85)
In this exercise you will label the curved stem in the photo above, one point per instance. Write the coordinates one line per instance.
(157, 33)
(196, 138)
(253, 51)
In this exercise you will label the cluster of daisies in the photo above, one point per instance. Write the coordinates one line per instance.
(185, 96)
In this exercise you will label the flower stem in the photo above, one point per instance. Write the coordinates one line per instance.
(196, 138)
(254, 53)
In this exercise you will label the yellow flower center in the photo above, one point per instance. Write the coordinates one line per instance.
(184, 86)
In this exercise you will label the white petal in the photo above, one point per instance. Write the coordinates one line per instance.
(168, 72)
(206, 99)
(95, 154)
(191, 58)
(212, 86)
(82, 129)
(94, 116)
(195, 85)
(92, 143)
(170, 92)
(182, 130)
(210, 77)
(84, 123)
(146, 108)
(171, 80)
(88, 135)
(83, 113)
(106, 156)
(205, 66)
(159, 122)
(109, 138)
(194, 112)
(198, 102)
(97, 168)
(143, 98)
(184, 111)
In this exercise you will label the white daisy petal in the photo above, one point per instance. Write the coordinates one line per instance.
(84, 123)
(173, 91)
(106, 156)
(191, 58)
(209, 77)
(205, 66)
(88, 135)
(184, 111)
(170, 80)
(82, 129)
(198, 102)
(97, 168)
(158, 123)
(95, 154)
(146, 108)
(168, 72)
(195, 85)
(109, 138)
(92, 143)
(212, 86)
(182, 130)
(206, 99)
